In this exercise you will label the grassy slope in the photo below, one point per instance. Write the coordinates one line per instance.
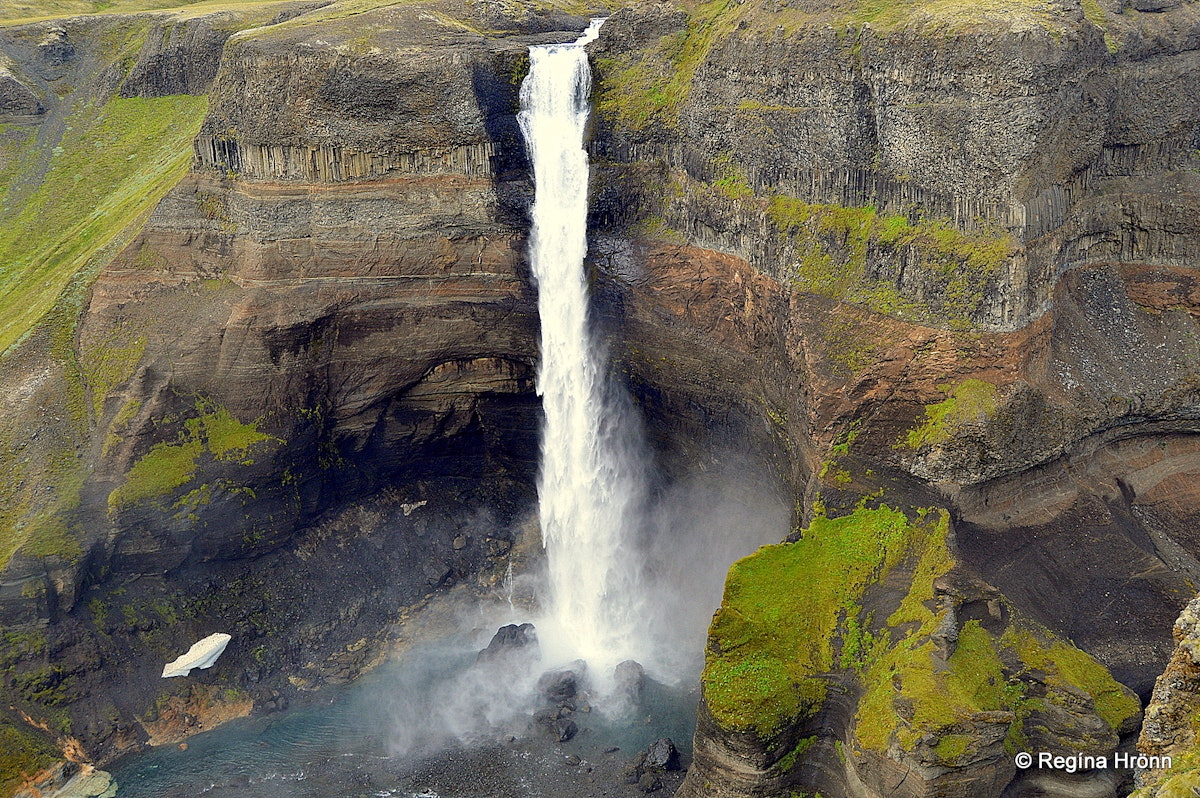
(73, 189)
(113, 164)
(25, 10)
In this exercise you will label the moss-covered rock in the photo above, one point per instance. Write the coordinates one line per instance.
(874, 603)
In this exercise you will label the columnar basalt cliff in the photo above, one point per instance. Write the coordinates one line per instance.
(982, 222)
(931, 262)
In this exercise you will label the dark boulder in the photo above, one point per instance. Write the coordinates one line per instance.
(562, 684)
(565, 729)
(510, 640)
(630, 678)
(662, 755)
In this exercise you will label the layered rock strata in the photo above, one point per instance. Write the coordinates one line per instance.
(987, 308)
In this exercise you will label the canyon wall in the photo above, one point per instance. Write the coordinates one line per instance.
(310, 364)
(976, 230)
(930, 264)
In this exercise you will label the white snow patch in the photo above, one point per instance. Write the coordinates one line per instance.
(202, 654)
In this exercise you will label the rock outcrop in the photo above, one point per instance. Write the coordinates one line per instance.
(1168, 739)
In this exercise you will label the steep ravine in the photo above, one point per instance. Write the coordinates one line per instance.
(966, 236)
(931, 264)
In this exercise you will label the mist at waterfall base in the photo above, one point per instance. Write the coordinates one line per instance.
(632, 569)
(432, 722)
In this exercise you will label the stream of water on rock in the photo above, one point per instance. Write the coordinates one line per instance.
(590, 490)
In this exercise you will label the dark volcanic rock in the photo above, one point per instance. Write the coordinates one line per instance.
(510, 641)
(662, 755)
(630, 679)
(17, 99)
(565, 729)
(562, 684)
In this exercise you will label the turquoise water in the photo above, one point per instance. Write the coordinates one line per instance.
(393, 733)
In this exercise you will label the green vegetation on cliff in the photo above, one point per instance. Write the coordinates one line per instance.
(794, 612)
(173, 464)
(837, 248)
(924, 271)
(113, 164)
(1181, 781)
(970, 401)
(976, 680)
(64, 211)
(647, 88)
(23, 754)
(774, 634)
(1066, 666)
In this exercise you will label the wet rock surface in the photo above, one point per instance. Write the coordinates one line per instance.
(512, 641)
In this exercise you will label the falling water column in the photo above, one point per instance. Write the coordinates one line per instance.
(588, 491)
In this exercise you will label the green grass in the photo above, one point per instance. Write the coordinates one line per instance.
(23, 10)
(33, 522)
(112, 166)
(970, 401)
(774, 633)
(23, 754)
(173, 464)
(951, 15)
(834, 245)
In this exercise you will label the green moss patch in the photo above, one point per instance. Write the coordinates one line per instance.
(1067, 666)
(794, 612)
(774, 634)
(976, 680)
(971, 401)
(23, 754)
(834, 245)
(173, 464)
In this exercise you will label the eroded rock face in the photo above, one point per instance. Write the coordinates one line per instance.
(1061, 436)
(1029, 124)
(296, 378)
(1169, 731)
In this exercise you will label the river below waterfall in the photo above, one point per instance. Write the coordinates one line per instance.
(346, 744)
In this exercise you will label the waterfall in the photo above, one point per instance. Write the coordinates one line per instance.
(589, 488)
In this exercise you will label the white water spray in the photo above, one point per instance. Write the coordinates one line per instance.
(589, 491)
